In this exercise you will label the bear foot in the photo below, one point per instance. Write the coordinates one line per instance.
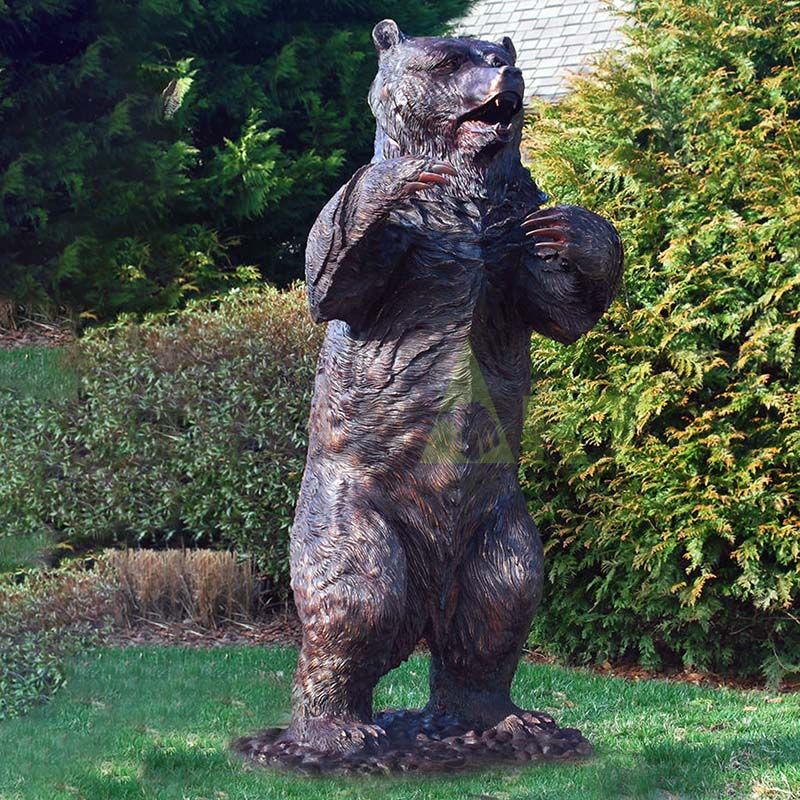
(539, 736)
(332, 735)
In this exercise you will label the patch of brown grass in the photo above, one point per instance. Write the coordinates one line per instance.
(204, 587)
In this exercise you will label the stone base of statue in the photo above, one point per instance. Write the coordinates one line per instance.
(418, 742)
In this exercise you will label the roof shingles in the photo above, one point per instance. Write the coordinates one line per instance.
(553, 38)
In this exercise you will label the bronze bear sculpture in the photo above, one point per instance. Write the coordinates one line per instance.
(432, 266)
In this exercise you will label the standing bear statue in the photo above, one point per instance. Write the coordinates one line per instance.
(432, 266)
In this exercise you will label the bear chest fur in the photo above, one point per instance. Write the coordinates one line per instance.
(436, 378)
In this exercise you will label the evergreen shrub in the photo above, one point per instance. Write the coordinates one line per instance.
(662, 452)
(153, 150)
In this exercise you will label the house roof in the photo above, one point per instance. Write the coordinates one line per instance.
(553, 38)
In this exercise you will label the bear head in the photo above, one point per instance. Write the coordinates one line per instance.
(455, 99)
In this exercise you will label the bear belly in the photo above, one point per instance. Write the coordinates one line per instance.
(433, 459)
(433, 406)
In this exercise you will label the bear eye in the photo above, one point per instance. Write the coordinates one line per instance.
(494, 60)
(449, 63)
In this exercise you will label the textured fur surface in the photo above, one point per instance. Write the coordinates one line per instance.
(432, 266)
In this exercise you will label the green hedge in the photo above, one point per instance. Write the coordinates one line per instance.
(663, 451)
(189, 428)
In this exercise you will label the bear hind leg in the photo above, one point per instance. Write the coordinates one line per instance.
(498, 590)
(350, 591)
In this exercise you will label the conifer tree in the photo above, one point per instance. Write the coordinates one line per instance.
(149, 149)
(664, 448)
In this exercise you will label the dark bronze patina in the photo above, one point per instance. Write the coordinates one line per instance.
(432, 265)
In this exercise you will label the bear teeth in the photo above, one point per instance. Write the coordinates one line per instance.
(498, 110)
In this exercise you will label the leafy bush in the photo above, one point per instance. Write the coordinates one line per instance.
(663, 450)
(151, 150)
(46, 616)
(190, 428)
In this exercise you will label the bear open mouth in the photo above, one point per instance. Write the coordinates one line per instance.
(498, 110)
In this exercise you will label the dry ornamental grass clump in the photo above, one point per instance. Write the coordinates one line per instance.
(203, 587)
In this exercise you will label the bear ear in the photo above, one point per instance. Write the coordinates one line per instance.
(386, 35)
(508, 45)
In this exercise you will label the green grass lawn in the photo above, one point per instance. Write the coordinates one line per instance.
(20, 552)
(35, 372)
(155, 723)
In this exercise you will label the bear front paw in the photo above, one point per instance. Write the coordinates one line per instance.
(579, 238)
(548, 230)
(396, 179)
